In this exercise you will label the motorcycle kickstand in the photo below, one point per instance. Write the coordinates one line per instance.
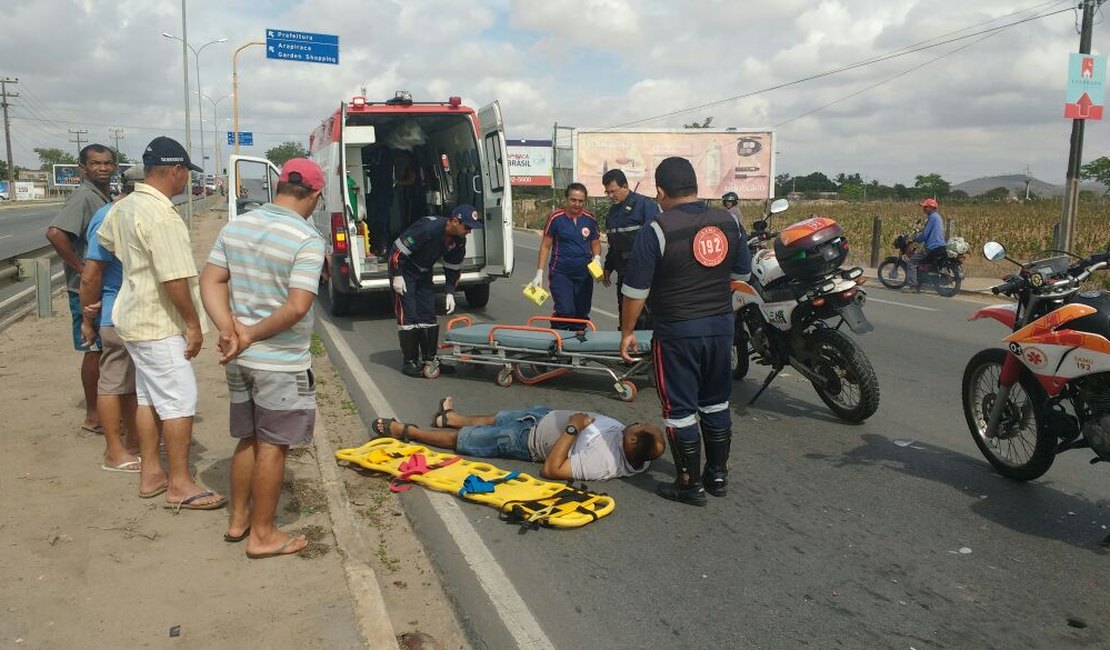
(766, 383)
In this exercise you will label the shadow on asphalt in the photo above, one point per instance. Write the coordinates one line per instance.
(1034, 508)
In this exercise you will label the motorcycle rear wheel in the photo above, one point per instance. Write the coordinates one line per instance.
(892, 273)
(853, 389)
(741, 354)
(1023, 450)
(947, 281)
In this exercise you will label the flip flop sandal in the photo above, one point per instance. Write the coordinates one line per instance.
(232, 539)
(155, 492)
(383, 428)
(129, 467)
(189, 503)
(280, 551)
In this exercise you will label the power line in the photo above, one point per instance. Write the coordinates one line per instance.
(852, 66)
(77, 137)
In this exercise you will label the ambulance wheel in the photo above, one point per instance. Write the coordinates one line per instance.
(505, 377)
(626, 390)
(431, 372)
(339, 302)
(477, 296)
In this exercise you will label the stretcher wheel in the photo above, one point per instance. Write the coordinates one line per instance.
(431, 372)
(626, 390)
(505, 377)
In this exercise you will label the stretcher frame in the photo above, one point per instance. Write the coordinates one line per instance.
(547, 363)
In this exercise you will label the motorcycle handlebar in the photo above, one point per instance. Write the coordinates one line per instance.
(1012, 284)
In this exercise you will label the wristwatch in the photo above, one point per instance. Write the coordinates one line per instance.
(571, 430)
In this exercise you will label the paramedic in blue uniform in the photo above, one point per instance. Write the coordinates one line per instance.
(571, 237)
(681, 265)
(414, 253)
(629, 213)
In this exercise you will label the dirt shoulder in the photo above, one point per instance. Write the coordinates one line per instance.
(88, 563)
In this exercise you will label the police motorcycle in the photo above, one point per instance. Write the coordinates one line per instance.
(1048, 392)
(943, 271)
(785, 310)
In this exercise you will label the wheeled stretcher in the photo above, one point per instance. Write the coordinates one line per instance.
(533, 353)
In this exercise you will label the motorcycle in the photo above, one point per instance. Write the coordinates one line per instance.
(1049, 392)
(943, 270)
(783, 315)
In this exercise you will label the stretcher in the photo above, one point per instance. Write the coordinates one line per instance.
(521, 499)
(533, 353)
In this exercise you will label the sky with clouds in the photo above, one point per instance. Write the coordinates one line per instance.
(963, 91)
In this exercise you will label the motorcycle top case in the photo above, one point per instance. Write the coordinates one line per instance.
(811, 249)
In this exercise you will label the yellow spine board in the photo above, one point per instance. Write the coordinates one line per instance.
(386, 455)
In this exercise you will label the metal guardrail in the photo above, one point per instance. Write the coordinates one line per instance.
(17, 268)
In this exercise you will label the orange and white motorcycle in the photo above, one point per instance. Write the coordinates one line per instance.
(1050, 390)
(790, 311)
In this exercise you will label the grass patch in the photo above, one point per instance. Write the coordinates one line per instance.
(316, 347)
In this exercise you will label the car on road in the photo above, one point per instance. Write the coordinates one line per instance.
(4, 195)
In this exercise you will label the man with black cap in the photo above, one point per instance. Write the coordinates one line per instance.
(157, 314)
(413, 254)
(682, 265)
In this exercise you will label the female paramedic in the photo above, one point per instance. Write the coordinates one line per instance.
(571, 238)
(414, 253)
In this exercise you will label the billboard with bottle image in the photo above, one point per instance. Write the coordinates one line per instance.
(738, 161)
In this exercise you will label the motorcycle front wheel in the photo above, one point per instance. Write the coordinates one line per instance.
(1020, 449)
(851, 388)
(948, 281)
(892, 273)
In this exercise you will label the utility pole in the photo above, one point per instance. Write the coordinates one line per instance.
(1028, 179)
(1065, 230)
(116, 135)
(77, 133)
(4, 95)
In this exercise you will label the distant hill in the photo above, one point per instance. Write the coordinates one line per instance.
(1016, 184)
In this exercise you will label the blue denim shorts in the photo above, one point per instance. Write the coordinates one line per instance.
(75, 316)
(507, 437)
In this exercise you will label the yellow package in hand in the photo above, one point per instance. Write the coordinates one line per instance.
(538, 295)
(522, 498)
(595, 270)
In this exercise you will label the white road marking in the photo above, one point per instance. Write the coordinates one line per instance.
(604, 313)
(6, 236)
(900, 304)
(510, 606)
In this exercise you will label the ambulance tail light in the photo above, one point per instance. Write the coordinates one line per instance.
(340, 243)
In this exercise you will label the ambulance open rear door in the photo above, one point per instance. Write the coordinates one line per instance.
(250, 183)
(496, 193)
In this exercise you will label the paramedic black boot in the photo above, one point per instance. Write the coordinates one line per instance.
(410, 351)
(687, 487)
(715, 476)
(429, 347)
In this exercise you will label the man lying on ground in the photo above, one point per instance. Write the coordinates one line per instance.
(571, 445)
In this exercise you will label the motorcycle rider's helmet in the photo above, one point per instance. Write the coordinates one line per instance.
(730, 199)
(929, 203)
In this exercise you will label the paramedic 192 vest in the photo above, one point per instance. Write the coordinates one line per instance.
(692, 277)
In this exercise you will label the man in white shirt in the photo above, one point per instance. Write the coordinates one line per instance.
(571, 445)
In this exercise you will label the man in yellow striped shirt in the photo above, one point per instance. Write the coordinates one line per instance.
(157, 314)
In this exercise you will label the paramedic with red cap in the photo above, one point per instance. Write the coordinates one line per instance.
(932, 238)
(414, 253)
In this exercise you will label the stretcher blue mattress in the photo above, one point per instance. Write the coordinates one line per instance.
(607, 342)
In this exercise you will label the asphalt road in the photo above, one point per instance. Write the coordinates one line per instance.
(894, 533)
(23, 229)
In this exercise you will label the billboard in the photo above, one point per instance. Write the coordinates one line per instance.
(529, 162)
(67, 175)
(26, 191)
(738, 161)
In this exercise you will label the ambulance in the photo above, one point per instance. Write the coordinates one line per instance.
(399, 160)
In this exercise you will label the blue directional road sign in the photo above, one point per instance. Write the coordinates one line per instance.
(246, 138)
(302, 46)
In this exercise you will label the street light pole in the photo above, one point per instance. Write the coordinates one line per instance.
(235, 92)
(188, 125)
(215, 124)
(200, 107)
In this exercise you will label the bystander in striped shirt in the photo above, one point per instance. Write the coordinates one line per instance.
(148, 236)
(267, 252)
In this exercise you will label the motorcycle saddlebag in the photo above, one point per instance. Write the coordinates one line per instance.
(811, 249)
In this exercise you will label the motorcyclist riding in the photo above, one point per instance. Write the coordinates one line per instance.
(932, 239)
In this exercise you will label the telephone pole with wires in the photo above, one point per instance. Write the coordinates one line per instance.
(4, 95)
(116, 135)
(79, 139)
(1064, 238)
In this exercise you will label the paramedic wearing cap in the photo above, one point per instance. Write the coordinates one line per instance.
(414, 253)
(157, 314)
(682, 265)
(572, 239)
(932, 238)
(258, 287)
(629, 213)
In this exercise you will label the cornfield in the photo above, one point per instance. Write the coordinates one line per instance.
(1023, 228)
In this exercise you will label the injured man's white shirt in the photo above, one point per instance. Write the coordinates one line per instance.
(597, 453)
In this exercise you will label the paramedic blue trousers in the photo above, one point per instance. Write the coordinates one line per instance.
(417, 307)
(573, 293)
(693, 379)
